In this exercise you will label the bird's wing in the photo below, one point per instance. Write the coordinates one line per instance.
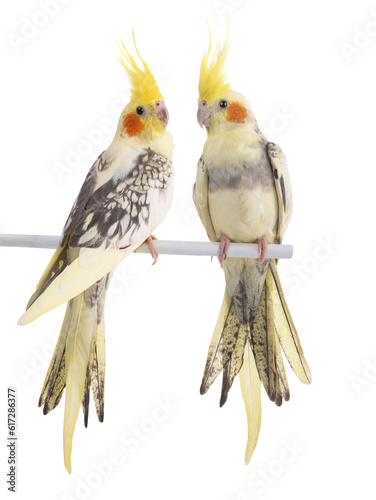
(200, 198)
(118, 213)
(57, 264)
(113, 221)
(60, 259)
(282, 186)
(90, 184)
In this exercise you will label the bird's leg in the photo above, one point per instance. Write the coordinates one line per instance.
(262, 248)
(151, 248)
(224, 244)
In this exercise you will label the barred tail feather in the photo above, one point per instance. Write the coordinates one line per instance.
(226, 349)
(282, 383)
(78, 362)
(54, 383)
(95, 373)
(234, 364)
(285, 328)
(223, 342)
(253, 324)
(265, 346)
(98, 372)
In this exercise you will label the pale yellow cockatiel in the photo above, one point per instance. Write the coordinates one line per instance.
(243, 193)
(125, 196)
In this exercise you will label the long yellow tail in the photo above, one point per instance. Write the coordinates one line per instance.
(78, 362)
(251, 392)
(253, 324)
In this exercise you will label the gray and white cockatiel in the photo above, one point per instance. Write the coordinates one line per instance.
(243, 193)
(125, 196)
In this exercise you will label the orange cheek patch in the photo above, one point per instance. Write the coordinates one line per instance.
(236, 113)
(132, 124)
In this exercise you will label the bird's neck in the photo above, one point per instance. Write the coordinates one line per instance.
(160, 143)
(224, 148)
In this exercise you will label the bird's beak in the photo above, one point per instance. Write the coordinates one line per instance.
(203, 114)
(161, 112)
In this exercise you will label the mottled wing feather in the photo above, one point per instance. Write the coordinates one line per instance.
(200, 198)
(56, 266)
(283, 187)
(117, 209)
(86, 191)
(113, 212)
(60, 260)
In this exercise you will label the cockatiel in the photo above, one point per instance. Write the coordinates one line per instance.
(125, 196)
(243, 193)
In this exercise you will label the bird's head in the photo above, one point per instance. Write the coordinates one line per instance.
(145, 117)
(220, 109)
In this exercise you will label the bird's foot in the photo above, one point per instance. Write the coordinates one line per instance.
(262, 248)
(152, 249)
(224, 245)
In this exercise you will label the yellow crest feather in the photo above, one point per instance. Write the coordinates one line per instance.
(212, 83)
(144, 88)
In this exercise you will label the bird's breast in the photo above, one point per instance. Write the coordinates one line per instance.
(242, 199)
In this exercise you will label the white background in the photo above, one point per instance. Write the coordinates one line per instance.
(310, 63)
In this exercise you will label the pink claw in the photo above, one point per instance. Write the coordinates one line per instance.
(224, 244)
(152, 249)
(262, 248)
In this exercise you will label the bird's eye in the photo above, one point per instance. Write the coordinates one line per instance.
(223, 103)
(140, 110)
